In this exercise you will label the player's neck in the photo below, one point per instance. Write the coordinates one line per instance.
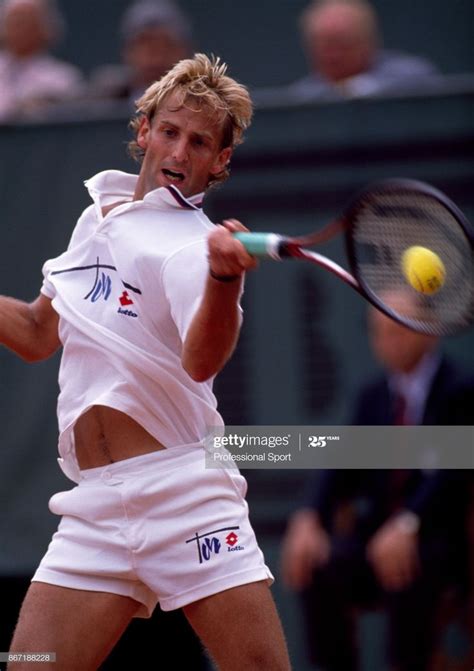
(109, 208)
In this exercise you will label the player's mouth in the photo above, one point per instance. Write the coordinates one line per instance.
(173, 175)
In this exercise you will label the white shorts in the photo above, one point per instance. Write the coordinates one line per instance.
(156, 528)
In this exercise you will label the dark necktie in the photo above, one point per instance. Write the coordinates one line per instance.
(398, 477)
(399, 410)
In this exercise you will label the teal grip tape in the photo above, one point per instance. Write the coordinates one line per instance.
(263, 245)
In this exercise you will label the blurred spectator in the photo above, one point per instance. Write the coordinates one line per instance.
(30, 78)
(343, 46)
(155, 35)
(395, 539)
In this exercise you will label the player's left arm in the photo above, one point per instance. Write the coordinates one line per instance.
(214, 330)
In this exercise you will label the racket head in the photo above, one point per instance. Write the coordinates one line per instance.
(392, 216)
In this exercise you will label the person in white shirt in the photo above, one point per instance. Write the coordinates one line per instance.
(31, 79)
(145, 302)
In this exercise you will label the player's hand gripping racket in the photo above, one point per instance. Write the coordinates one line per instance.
(410, 250)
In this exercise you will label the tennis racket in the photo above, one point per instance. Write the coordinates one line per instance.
(384, 224)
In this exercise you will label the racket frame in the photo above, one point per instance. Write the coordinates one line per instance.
(349, 219)
(277, 247)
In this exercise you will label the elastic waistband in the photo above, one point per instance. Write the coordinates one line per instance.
(164, 460)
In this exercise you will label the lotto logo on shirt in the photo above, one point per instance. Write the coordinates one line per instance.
(124, 301)
(102, 285)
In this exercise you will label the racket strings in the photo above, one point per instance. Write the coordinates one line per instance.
(385, 227)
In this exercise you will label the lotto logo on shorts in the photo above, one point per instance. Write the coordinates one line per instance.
(209, 544)
(231, 539)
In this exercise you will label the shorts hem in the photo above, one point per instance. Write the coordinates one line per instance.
(137, 592)
(216, 586)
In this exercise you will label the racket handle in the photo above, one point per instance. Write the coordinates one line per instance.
(263, 245)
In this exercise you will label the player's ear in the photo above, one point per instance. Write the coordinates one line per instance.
(221, 161)
(143, 133)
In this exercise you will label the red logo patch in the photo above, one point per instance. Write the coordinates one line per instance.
(231, 539)
(125, 300)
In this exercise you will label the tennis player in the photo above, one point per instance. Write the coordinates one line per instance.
(145, 303)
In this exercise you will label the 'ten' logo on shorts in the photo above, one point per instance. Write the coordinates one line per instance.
(208, 543)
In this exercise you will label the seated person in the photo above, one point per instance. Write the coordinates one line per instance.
(155, 36)
(343, 46)
(30, 78)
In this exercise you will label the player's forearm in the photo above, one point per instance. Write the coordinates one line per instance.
(21, 331)
(214, 331)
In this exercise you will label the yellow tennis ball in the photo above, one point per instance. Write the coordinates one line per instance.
(423, 269)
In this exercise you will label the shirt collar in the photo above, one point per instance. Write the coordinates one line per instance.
(415, 386)
(174, 196)
(420, 376)
(110, 186)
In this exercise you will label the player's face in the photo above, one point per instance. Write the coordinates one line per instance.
(182, 147)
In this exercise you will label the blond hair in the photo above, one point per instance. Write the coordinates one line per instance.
(203, 81)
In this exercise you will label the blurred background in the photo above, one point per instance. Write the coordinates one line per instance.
(304, 351)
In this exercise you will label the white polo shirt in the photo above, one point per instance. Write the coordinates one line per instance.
(126, 290)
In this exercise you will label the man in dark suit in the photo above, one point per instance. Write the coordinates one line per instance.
(390, 538)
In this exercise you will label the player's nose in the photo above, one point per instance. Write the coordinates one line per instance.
(180, 151)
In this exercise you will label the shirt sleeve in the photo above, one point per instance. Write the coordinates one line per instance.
(183, 278)
(83, 229)
(47, 288)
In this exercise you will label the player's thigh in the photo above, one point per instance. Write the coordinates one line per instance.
(80, 626)
(241, 629)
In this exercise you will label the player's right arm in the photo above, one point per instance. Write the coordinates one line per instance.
(29, 329)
